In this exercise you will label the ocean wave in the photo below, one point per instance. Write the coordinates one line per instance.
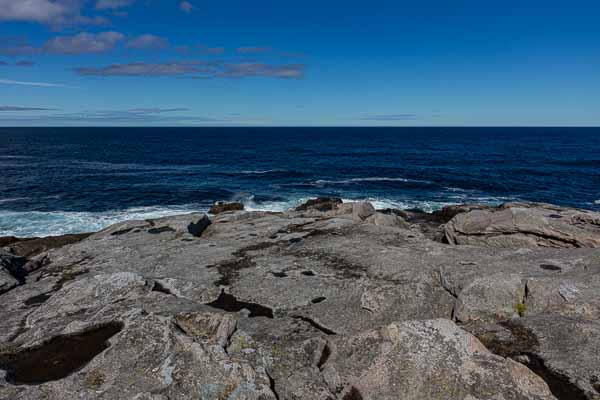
(52, 223)
(597, 202)
(250, 204)
(10, 200)
(370, 179)
(107, 166)
(427, 206)
(15, 157)
(353, 181)
(261, 172)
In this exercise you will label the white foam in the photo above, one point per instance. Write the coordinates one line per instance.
(427, 206)
(104, 166)
(261, 172)
(358, 180)
(16, 157)
(13, 199)
(276, 206)
(597, 202)
(40, 224)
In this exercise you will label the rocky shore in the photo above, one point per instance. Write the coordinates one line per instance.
(330, 301)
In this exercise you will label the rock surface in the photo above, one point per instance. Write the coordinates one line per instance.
(426, 360)
(320, 204)
(526, 225)
(345, 303)
(221, 207)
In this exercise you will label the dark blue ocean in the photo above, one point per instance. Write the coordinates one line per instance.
(65, 180)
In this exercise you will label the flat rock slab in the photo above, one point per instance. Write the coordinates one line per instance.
(526, 225)
(431, 359)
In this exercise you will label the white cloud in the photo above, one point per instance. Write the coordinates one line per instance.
(50, 12)
(144, 69)
(186, 6)
(44, 11)
(83, 43)
(147, 41)
(38, 84)
(112, 4)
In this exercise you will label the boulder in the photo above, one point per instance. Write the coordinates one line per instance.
(448, 212)
(362, 211)
(188, 224)
(525, 225)
(320, 204)
(221, 207)
(491, 298)
(380, 219)
(30, 247)
(431, 359)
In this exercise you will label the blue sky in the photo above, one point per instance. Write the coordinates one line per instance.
(349, 63)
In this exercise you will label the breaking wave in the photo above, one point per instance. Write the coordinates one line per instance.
(52, 223)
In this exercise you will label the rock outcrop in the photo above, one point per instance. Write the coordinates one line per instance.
(344, 303)
(432, 360)
(320, 204)
(526, 225)
(221, 207)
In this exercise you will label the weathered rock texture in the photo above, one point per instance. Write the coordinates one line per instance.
(526, 225)
(221, 207)
(341, 303)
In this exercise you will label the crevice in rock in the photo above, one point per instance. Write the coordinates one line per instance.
(353, 394)
(550, 267)
(315, 324)
(325, 354)
(318, 300)
(122, 232)
(445, 285)
(37, 300)
(272, 385)
(13, 265)
(279, 274)
(307, 273)
(595, 382)
(230, 303)
(560, 385)
(523, 346)
(57, 358)
(158, 287)
(162, 229)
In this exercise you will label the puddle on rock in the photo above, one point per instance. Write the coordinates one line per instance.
(57, 358)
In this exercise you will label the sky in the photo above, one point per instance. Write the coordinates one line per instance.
(308, 63)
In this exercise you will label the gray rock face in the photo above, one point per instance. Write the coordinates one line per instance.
(426, 360)
(556, 347)
(320, 204)
(11, 270)
(221, 207)
(524, 225)
(347, 303)
(7, 281)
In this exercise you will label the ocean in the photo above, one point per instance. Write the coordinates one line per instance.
(69, 180)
